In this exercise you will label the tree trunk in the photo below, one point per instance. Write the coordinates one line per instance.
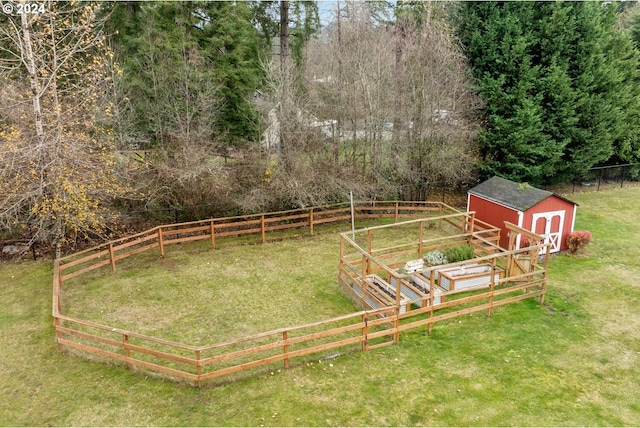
(284, 36)
(284, 70)
(41, 149)
(33, 78)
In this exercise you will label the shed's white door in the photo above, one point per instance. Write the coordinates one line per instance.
(550, 226)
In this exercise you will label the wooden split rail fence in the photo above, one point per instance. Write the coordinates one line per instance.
(369, 329)
(361, 330)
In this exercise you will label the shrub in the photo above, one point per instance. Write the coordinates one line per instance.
(459, 253)
(434, 258)
(577, 240)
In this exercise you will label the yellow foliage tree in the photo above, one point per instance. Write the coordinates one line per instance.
(58, 169)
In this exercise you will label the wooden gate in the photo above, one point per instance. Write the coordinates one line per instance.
(526, 262)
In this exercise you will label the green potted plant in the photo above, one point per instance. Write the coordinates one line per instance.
(460, 253)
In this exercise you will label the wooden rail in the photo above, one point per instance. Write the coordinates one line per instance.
(109, 253)
(198, 364)
(369, 329)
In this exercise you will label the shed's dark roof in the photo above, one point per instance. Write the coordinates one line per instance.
(514, 195)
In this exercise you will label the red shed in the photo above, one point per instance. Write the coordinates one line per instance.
(498, 200)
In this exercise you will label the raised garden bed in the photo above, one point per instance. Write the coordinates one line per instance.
(417, 290)
(423, 283)
(467, 276)
(387, 292)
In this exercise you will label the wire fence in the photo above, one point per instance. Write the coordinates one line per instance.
(600, 178)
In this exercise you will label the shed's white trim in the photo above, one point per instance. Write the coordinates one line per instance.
(520, 218)
(520, 223)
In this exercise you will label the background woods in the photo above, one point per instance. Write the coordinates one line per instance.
(242, 107)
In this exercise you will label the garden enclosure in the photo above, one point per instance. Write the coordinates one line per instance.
(378, 268)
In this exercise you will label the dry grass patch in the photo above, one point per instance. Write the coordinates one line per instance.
(201, 296)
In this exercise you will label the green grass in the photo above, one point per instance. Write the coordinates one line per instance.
(200, 296)
(573, 361)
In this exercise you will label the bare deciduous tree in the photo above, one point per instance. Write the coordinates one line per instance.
(401, 96)
(438, 106)
(59, 174)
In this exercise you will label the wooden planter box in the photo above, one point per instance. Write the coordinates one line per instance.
(436, 272)
(387, 292)
(371, 301)
(417, 290)
(467, 276)
(422, 282)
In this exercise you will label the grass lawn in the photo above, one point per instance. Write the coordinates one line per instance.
(200, 296)
(573, 361)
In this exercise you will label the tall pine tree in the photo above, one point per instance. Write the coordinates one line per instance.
(233, 47)
(558, 80)
(168, 50)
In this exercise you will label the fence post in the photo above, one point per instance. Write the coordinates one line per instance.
(160, 241)
(213, 235)
(262, 228)
(113, 260)
(492, 285)
(57, 277)
(432, 297)
(311, 221)
(365, 332)
(393, 278)
(545, 273)
(369, 242)
(285, 349)
(396, 325)
(363, 280)
(56, 324)
(420, 237)
(395, 217)
(57, 285)
(125, 345)
(198, 368)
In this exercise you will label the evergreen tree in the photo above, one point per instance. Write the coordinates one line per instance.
(558, 80)
(232, 44)
(498, 39)
(175, 53)
(306, 21)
